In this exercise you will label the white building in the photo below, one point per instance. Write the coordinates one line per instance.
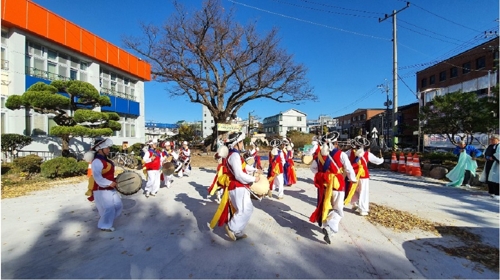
(285, 121)
(40, 46)
(323, 120)
(207, 122)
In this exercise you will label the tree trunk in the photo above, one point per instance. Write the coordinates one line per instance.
(65, 145)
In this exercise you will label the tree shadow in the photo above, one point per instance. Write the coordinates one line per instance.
(207, 170)
(282, 214)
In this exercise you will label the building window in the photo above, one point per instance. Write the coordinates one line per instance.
(299, 119)
(442, 76)
(466, 68)
(73, 74)
(481, 62)
(453, 72)
(432, 80)
(423, 82)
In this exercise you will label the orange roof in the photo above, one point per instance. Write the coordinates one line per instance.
(36, 19)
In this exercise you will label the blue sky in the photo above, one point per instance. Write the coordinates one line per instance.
(347, 51)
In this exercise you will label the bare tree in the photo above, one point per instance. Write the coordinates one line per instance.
(219, 63)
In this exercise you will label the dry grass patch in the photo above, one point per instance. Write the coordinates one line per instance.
(401, 221)
(15, 188)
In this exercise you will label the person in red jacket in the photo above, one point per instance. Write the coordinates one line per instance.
(152, 160)
(360, 156)
(328, 170)
(107, 199)
(275, 169)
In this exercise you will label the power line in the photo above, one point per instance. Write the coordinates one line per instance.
(326, 11)
(310, 22)
(443, 18)
(429, 31)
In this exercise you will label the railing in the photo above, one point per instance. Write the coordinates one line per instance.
(43, 154)
(34, 72)
(112, 92)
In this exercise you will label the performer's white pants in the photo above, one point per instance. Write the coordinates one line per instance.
(153, 184)
(361, 197)
(240, 199)
(337, 213)
(278, 184)
(168, 180)
(109, 205)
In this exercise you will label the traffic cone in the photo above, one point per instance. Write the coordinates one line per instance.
(401, 165)
(394, 162)
(89, 170)
(416, 171)
(409, 164)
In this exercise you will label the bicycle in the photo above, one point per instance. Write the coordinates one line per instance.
(126, 160)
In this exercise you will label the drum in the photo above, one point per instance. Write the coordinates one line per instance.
(307, 159)
(128, 182)
(168, 168)
(261, 187)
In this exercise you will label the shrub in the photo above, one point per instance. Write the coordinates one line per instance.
(136, 148)
(63, 167)
(6, 167)
(12, 141)
(299, 139)
(29, 163)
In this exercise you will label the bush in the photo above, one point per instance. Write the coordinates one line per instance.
(63, 167)
(6, 167)
(299, 140)
(29, 163)
(136, 148)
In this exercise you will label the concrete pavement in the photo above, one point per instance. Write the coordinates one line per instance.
(53, 234)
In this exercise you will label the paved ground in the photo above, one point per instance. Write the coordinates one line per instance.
(53, 234)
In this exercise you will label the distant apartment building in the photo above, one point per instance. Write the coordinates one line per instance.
(313, 126)
(471, 71)
(41, 46)
(207, 122)
(357, 123)
(155, 130)
(283, 122)
(474, 70)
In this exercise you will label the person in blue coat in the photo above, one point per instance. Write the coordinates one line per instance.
(473, 152)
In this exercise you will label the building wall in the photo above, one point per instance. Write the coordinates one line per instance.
(25, 23)
(477, 78)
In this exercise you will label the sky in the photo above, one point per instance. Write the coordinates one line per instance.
(344, 44)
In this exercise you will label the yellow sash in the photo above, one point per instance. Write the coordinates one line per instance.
(223, 202)
(352, 190)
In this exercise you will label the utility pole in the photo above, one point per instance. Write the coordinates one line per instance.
(387, 103)
(395, 72)
(249, 122)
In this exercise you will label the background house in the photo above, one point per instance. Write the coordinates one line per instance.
(283, 122)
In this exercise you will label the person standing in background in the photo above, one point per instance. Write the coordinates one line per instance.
(152, 161)
(492, 174)
(470, 165)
